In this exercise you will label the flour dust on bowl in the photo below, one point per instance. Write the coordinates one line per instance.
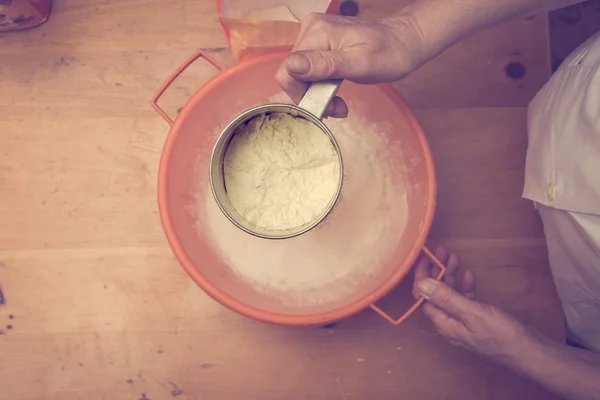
(365, 246)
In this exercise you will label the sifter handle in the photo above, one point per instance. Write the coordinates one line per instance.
(319, 95)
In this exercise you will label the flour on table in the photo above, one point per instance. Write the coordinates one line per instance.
(281, 172)
(356, 240)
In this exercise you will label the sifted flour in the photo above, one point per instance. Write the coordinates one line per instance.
(281, 171)
(358, 239)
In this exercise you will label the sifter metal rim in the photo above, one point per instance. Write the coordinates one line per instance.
(218, 188)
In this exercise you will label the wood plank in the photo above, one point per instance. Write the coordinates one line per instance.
(472, 73)
(480, 159)
(102, 310)
(88, 320)
(571, 26)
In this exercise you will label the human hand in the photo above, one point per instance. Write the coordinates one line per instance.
(336, 47)
(458, 317)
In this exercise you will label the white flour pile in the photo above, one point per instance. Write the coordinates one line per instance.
(354, 241)
(281, 172)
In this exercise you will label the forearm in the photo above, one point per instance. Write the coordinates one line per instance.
(443, 23)
(570, 372)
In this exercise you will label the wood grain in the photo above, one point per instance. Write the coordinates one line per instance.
(100, 308)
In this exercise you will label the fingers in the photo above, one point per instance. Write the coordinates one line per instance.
(299, 65)
(468, 285)
(425, 268)
(447, 299)
(296, 89)
(317, 65)
(452, 266)
(422, 271)
(337, 108)
(442, 255)
(330, 47)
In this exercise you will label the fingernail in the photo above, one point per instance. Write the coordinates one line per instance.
(298, 64)
(427, 287)
(335, 113)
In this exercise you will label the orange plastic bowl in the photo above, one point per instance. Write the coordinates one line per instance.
(182, 175)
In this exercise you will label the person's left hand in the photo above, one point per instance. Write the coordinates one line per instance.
(458, 317)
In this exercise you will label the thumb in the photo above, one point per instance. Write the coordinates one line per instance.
(446, 299)
(315, 65)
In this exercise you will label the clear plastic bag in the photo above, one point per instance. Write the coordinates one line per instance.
(254, 27)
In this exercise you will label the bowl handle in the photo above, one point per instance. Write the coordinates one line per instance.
(408, 313)
(178, 71)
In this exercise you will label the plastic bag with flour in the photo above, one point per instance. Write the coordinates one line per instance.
(255, 27)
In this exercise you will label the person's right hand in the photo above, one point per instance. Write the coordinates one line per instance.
(336, 47)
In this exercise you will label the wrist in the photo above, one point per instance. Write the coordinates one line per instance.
(526, 349)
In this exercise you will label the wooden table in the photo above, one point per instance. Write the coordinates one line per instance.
(98, 308)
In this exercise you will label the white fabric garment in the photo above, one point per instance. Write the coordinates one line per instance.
(562, 175)
(574, 252)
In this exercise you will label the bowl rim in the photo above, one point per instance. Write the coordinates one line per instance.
(227, 300)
